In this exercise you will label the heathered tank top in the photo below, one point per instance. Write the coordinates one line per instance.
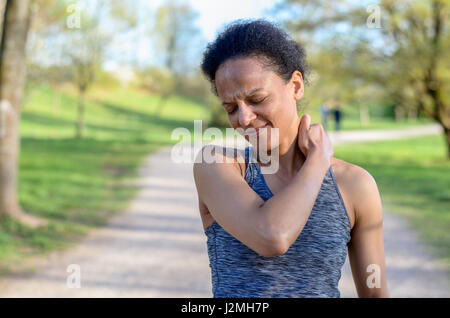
(310, 268)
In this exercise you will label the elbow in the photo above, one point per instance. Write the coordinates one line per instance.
(275, 248)
(279, 249)
(274, 243)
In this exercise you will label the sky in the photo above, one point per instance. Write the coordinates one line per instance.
(213, 15)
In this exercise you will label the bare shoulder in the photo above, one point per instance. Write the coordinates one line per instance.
(211, 155)
(352, 174)
(211, 162)
(359, 187)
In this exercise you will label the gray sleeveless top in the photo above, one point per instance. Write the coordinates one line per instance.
(310, 268)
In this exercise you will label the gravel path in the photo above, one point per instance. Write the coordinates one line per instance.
(156, 248)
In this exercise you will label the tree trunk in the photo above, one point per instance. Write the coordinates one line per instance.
(412, 114)
(162, 102)
(364, 115)
(399, 113)
(2, 16)
(81, 111)
(12, 80)
(447, 135)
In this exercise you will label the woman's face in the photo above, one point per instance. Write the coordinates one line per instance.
(256, 97)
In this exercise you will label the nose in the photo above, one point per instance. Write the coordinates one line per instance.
(246, 115)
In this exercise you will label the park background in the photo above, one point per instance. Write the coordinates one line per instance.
(90, 89)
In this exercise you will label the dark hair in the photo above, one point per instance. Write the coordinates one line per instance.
(258, 38)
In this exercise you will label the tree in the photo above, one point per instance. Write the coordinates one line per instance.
(174, 32)
(15, 26)
(47, 16)
(84, 49)
(326, 30)
(407, 57)
(422, 37)
(73, 32)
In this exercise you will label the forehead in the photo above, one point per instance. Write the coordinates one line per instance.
(236, 77)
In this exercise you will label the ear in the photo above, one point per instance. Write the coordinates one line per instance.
(297, 82)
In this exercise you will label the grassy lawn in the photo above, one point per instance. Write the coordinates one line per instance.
(378, 123)
(414, 181)
(78, 184)
(350, 119)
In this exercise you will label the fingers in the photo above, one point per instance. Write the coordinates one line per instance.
(313, 137)
(305, 123)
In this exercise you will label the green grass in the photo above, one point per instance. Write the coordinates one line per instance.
(351, 121)
(413, 177)
(379, 123)
(78, 184)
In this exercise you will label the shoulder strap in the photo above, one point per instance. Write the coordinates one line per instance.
(246, 156)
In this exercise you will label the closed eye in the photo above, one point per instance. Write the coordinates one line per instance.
(258, 101)
(254, 102)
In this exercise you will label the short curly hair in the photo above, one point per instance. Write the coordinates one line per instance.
(255, 38)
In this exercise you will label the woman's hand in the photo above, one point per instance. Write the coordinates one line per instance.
(314, 139)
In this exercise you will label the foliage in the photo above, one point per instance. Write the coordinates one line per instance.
(176, 36)
(404, 62)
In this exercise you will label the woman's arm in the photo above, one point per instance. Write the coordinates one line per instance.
(366, 248)
(268, 228)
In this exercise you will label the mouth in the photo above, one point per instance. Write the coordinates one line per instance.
(255, 131)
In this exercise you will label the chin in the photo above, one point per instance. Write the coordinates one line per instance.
(264, 141)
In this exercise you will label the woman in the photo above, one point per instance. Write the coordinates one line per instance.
(283, 234)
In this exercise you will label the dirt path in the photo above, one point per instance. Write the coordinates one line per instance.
(157, 248)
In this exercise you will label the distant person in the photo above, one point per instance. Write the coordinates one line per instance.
(337, 117)
(324, 112)
(283, 233)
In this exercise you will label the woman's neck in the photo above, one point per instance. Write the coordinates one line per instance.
(290, 157)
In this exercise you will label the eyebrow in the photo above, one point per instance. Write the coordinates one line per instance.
(253, 91)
